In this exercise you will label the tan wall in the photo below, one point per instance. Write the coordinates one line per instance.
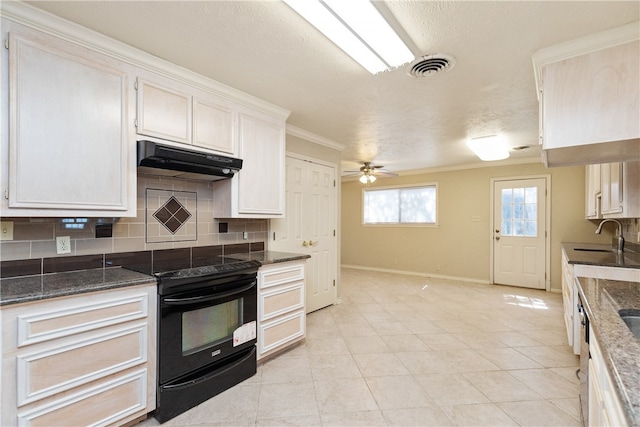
(458, 247)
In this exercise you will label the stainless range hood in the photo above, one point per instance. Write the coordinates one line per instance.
(165, 160)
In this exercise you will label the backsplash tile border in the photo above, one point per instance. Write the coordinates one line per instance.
(141, 261)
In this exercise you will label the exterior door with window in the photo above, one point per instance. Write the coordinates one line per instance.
(309, 227)
(519, 233)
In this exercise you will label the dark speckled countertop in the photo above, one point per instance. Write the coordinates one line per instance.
(593, 255)
(269, 257)
(621, 350)
(16, 290)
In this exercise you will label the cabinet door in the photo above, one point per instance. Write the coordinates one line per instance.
(261, 180)
(68, 141)
(163, 112)
(593, 193)
(611, 174)
(592, 98)
(213, 126)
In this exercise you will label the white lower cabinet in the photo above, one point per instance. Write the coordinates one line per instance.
(604, 407)
(570, 304)
(281, 306)
(80, 360)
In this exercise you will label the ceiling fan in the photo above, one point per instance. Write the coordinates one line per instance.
(368, 172)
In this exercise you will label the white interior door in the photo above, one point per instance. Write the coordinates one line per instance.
(309, 227)
(519, 233)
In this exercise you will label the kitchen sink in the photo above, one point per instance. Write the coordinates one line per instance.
(632, 319)
(592, 250)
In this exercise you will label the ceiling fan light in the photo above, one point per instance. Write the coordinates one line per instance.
(489, 148)
(372, 179)
(363, 179)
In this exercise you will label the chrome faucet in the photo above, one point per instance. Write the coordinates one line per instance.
(619, 238)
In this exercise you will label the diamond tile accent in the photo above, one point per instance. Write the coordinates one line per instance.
(172, 215)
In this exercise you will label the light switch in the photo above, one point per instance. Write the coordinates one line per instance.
(6, 230)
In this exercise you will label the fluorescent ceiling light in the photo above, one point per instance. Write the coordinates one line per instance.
(357, 28)
(489, 148)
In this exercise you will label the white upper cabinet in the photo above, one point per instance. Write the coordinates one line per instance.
(176, 112)
(590, 98)
(257, 191)
(613, 190)
(612, 196)
(77, 103)
(214, 125)
(67, 146)
(163, 112)
(621, 190)
(593, 191)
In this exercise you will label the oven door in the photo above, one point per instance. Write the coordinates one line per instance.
(203, 326)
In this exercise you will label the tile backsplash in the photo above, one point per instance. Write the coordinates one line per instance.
(171, 213)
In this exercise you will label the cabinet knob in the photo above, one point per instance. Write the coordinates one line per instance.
(304, 243)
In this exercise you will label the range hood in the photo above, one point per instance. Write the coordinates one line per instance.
(165, 160)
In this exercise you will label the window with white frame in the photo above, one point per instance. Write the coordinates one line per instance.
(408, 205)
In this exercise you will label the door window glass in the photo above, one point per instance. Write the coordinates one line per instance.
(520, 212)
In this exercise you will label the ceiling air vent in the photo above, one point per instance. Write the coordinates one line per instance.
(429, 65)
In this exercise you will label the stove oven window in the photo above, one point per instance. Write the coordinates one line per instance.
(209, 326)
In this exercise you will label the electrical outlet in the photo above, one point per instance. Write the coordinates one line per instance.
(6, 230)
(63, 245)
(475, 219)
(245, 236)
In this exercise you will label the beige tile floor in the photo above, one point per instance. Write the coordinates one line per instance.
(413, 351)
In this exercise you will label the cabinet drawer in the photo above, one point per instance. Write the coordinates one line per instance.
(52, 371)
(281, 331)
(273, 276)
(279, 301)
(103, 404)
(55, 320)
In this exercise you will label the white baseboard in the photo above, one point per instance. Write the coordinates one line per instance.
(415, 273)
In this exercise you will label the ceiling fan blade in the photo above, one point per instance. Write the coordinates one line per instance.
(385, 173)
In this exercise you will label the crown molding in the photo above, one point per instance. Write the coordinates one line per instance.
(312, 137)
(46, 22)
(476, 165)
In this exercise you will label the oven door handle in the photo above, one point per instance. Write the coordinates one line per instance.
(210, 375)
(198, 299)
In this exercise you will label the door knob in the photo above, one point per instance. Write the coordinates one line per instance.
(497, 231)
(497, 237)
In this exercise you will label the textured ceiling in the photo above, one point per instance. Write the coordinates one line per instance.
(267, 50)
